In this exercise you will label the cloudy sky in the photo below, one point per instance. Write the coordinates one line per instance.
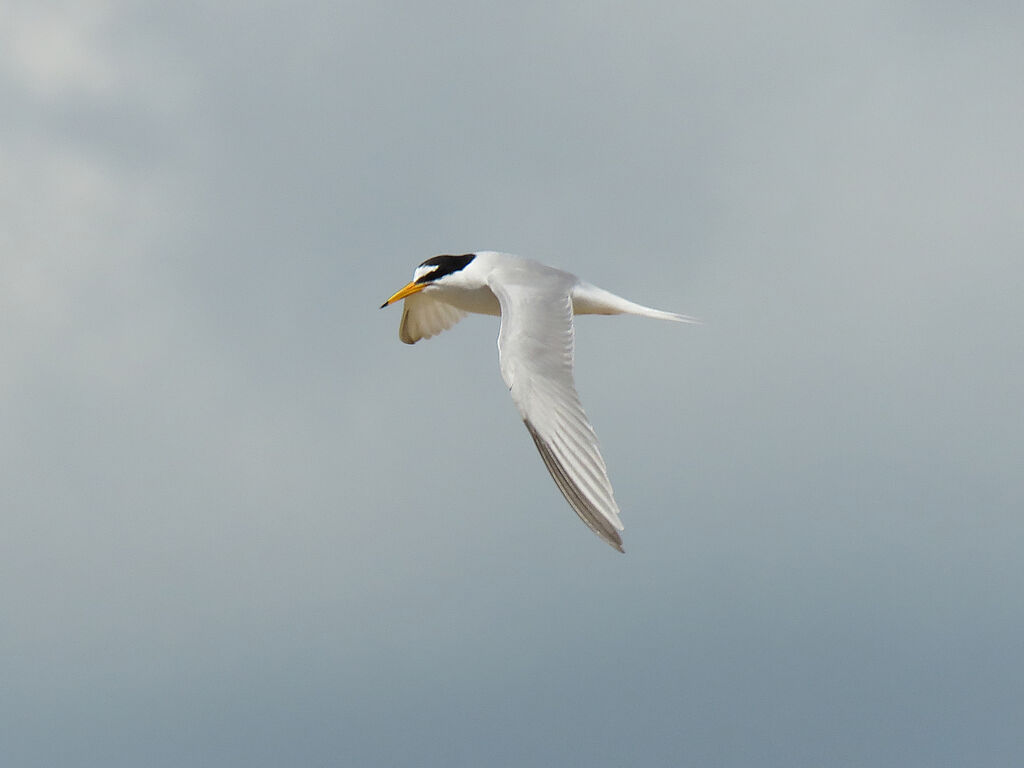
(243, 525)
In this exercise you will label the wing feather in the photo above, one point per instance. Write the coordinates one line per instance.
(424, 316)
(535, 347)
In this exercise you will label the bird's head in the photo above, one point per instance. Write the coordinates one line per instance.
(437, 272)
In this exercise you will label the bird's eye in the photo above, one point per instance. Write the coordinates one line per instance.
(425, 273)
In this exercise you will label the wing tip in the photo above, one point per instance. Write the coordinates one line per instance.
(613, 538)
(607, 528)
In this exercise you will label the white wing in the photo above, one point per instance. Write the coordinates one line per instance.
(424, 316)
(535, 346)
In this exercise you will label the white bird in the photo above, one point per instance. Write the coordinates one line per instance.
(536, 304)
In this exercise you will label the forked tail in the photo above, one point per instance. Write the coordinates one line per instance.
(588, 299)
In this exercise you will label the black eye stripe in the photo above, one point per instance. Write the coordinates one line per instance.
(445, 266)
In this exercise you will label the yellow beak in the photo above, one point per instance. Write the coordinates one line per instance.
(407, 290)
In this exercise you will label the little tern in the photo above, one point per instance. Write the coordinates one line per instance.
(536, 304)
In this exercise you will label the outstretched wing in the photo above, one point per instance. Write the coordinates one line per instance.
(535, 346)
(424, 316)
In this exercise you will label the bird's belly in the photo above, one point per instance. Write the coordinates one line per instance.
(480, 301)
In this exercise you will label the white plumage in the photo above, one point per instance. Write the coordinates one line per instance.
(424, 317)
(535, 347)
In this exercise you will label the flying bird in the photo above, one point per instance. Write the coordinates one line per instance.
(536, 304)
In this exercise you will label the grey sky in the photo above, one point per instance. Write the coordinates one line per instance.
(244, 525)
